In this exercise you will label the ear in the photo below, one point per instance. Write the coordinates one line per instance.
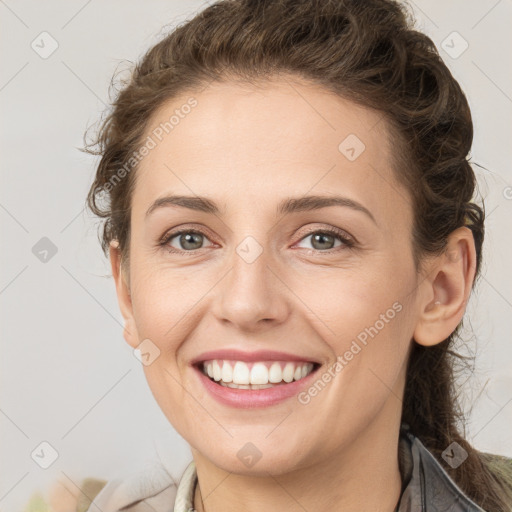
(123, 295)
(446, 289)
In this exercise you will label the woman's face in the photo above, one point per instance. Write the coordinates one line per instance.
(267, 271)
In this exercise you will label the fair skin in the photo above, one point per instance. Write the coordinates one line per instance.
(246, 149)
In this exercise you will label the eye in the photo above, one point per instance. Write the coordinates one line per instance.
(187, 240)
(325, 239)
(190, 240)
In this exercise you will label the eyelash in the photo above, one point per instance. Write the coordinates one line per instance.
(337, 233)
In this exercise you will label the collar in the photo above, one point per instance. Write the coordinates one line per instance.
(426, 486)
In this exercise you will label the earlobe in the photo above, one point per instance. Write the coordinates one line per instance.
(446, 289)
(123, 295)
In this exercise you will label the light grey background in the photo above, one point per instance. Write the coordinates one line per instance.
(67, 375)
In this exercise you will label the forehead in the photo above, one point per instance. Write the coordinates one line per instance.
(254, 145)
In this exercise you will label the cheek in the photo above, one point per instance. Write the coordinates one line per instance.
(348, 302)
(366, 319)
(165, 303)
(166, 312)
(363, 318)
(368, 331)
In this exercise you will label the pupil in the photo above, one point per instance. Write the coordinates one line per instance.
(323, 236)
(189, 238)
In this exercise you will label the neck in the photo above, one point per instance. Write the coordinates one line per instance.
(364, 474)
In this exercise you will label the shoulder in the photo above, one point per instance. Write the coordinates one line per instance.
(150, 489)
(499, 465)
(430, 483)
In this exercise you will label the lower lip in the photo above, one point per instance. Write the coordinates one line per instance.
(251, 398)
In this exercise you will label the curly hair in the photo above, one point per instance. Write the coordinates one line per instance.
(367, 52)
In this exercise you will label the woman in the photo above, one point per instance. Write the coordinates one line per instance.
(289, 219)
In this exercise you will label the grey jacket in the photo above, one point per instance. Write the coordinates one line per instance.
(426, 487)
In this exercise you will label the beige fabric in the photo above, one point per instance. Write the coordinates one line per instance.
(140, 493)
(151, 489)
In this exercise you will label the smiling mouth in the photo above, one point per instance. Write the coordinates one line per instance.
(255, 375)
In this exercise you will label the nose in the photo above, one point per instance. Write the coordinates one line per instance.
(252, 295)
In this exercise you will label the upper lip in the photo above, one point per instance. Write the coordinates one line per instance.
(259, 355)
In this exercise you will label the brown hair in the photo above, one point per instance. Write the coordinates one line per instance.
(367, 52)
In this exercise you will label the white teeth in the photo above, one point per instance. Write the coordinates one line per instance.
(227, 372)
(216, 371)
(288, 372)
(240, 373)
(260, 375)
(275, 374)
(245, 386)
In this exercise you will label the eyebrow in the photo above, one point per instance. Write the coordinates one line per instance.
(286, 206)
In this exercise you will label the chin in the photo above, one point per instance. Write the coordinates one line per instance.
(248, 460)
